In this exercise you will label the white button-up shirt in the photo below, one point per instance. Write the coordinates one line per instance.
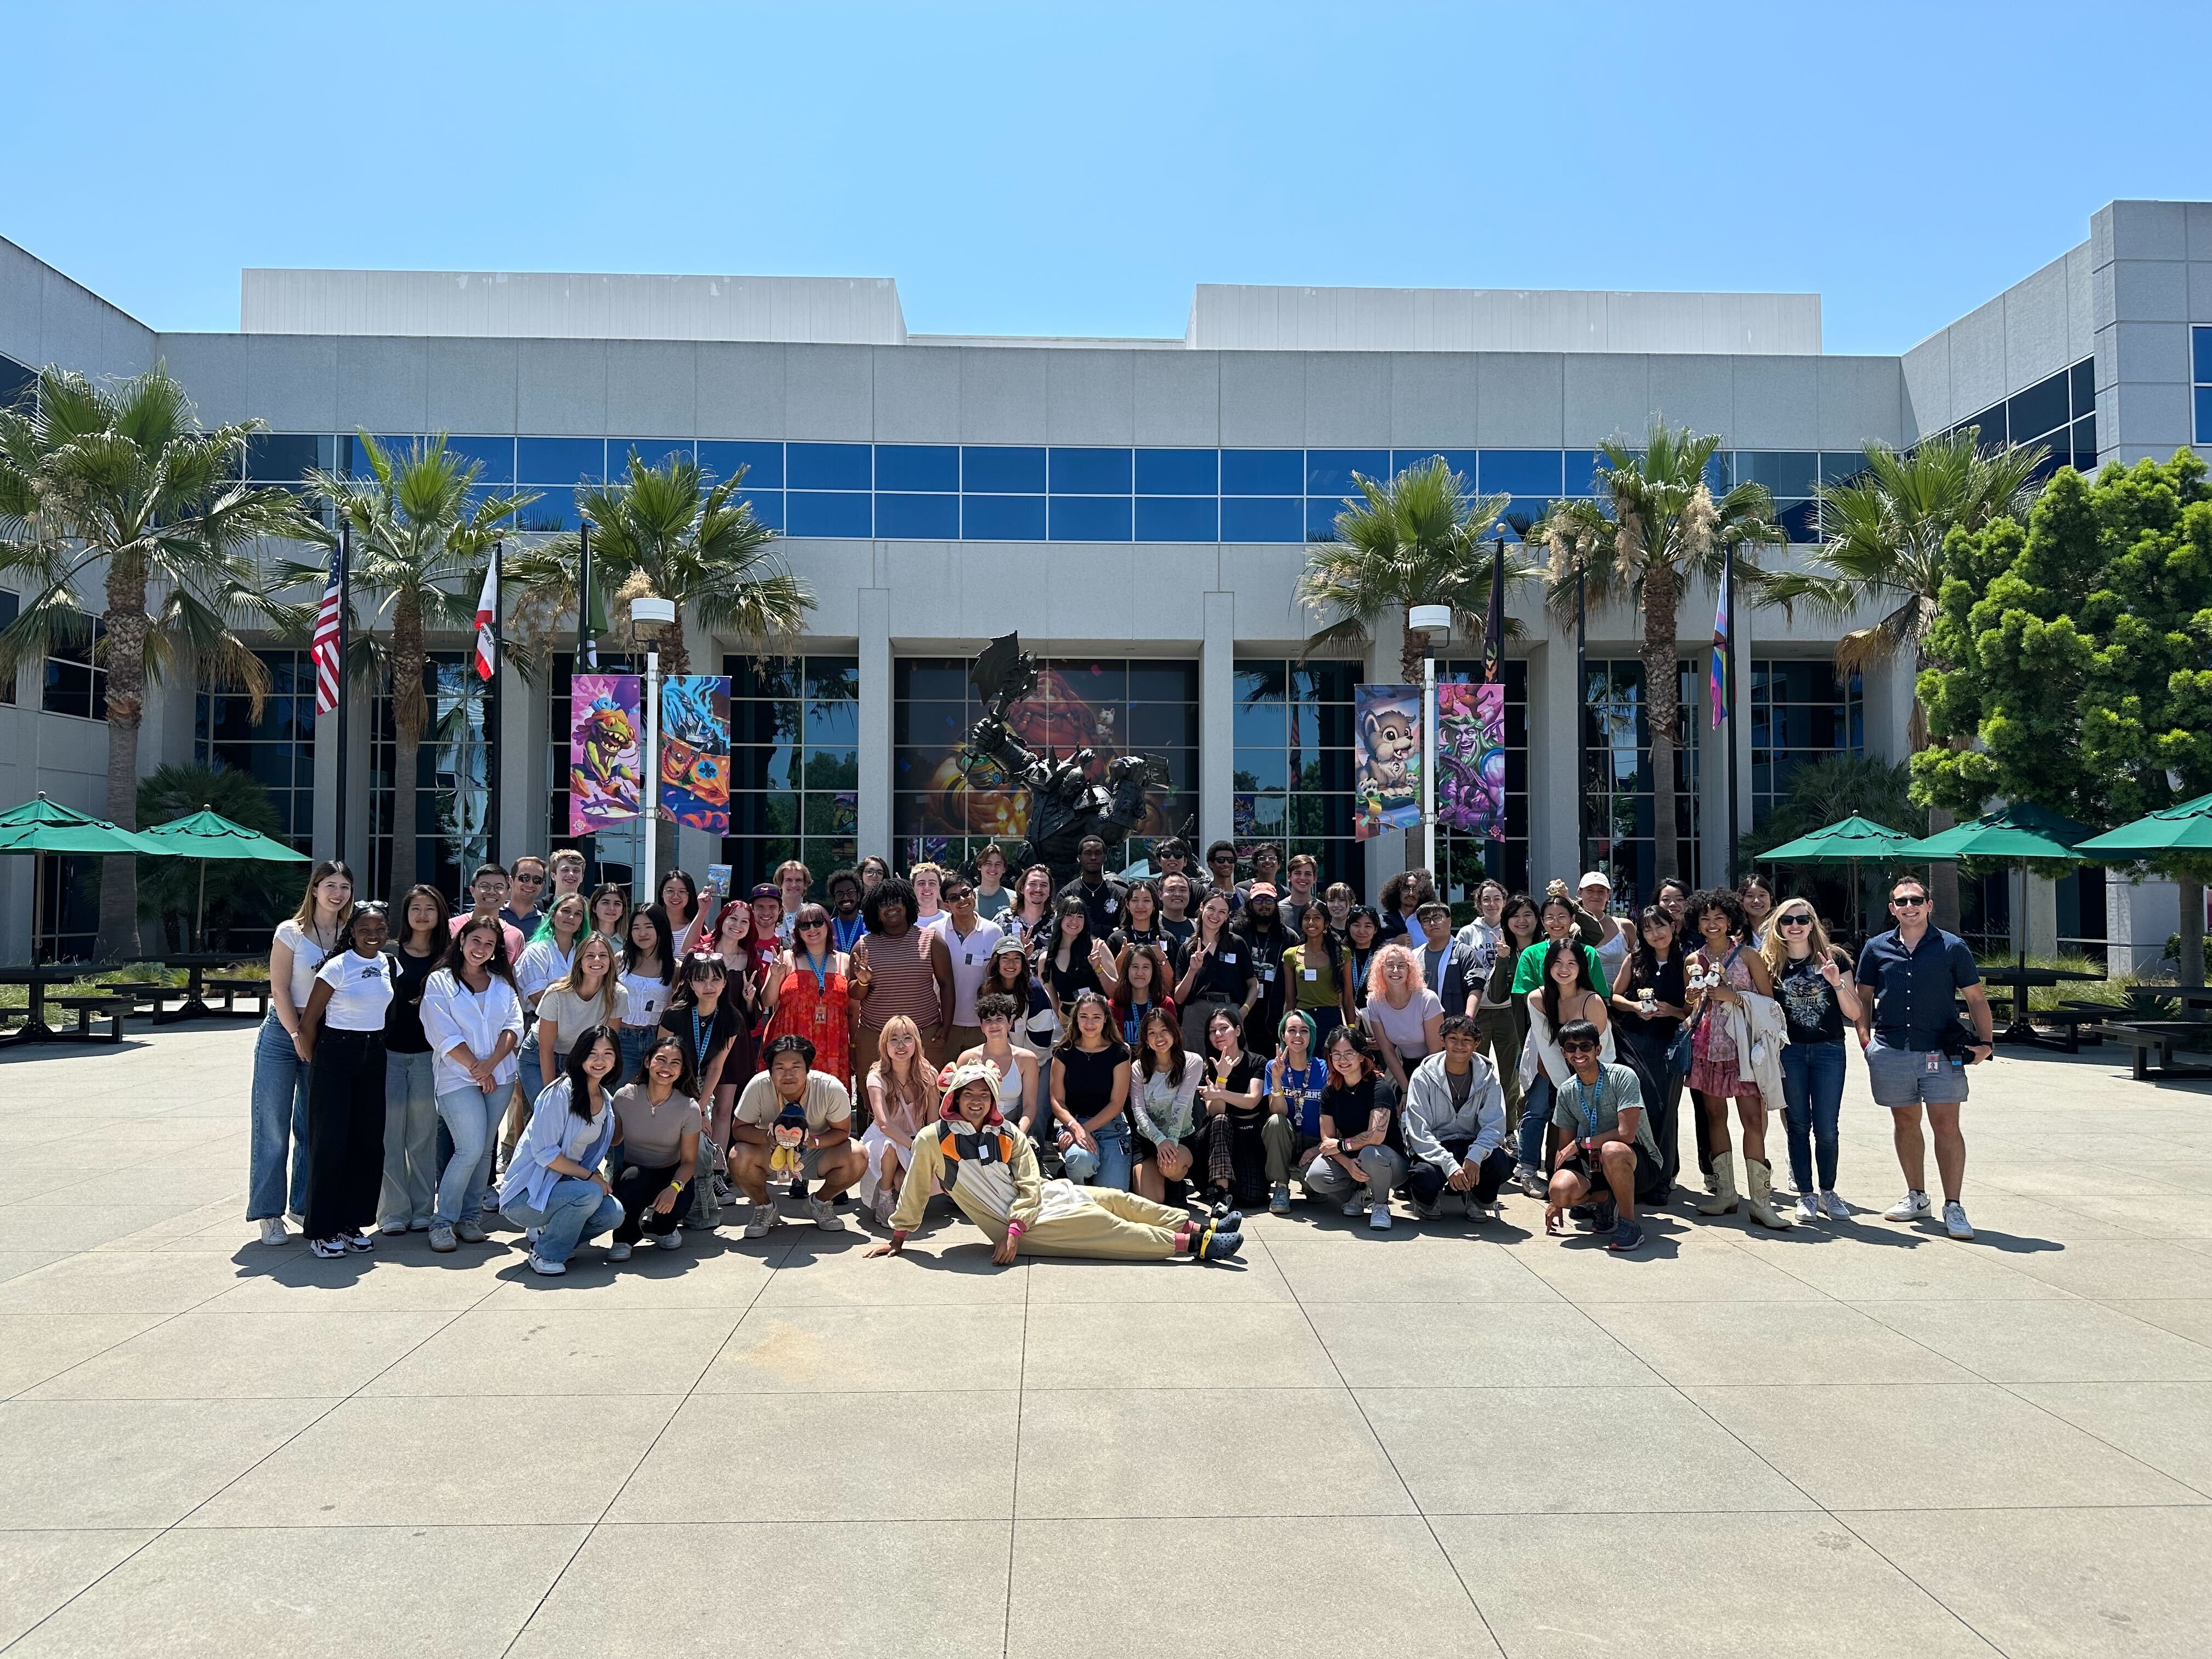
(453, 1015)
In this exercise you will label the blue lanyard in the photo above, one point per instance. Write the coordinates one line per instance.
(820, 971)
(1586, 1112)
(699, 1048)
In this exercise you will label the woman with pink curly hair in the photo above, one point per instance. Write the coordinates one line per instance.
(1404, 1017)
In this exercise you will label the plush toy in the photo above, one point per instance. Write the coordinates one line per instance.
(787, 1161)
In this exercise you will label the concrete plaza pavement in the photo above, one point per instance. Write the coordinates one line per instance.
(1848, 1438)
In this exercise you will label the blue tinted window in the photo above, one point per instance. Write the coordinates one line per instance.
(281, 457)
(353, 454)
(1263, 472)
(1261, 519)
(2040, 409)
(918, 466)
(1720, 471)
(496, 455)
(1837, 469)
(763, 463)
(559, 460)
(2085, 441)
(827, 466)
(932, 518)
(767, 504)
(1174, 517)
(553, 510)
(1089, 518)
(1177, 472)
(1801, 520)
(1090, 471)
(1003, 469)
(1328, 471)
(825, 512)
(1002, 518)
(2084, 375)
(1521, 512)
(1521, 471)
(1784, 472)
(2205, 414)
(654, 452)
(1320, 517)
(1460, 461)
(1580, 472)
(2201, 348)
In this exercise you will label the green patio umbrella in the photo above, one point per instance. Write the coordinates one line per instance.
(2184, 828)
(207, 834)
(1852, 842)
(47, 826)
(2021, 834)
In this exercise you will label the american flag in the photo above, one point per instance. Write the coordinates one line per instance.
(325, 646)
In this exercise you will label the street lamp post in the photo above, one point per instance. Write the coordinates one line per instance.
(647, 616)
(1429, 621)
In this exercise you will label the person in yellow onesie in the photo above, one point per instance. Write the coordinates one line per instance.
(991, 1170)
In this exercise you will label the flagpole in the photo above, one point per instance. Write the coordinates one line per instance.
(583, 596)
(345, 586)
(491, 697)
(1728, 590)
(1493, 668)
(1582, 724)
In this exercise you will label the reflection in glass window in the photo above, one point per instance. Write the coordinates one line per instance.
(277, 749)
(1292, 764)
(1617, 785)
(795, 766)
(1800, 711)
(1467, 861)
(75, 683)
(453, 768)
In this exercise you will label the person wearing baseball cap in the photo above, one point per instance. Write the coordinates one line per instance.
(1595, 891)
(990, 1168)
(1260, 926)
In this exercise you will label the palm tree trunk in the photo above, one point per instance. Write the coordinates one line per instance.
(1942, 876)
(1663, 705)
(2190, 971)
(127, 628)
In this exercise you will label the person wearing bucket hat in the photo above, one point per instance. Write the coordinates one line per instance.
(990, 1168)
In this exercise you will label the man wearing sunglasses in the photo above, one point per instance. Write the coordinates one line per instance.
(1607, 1149)
(1916, 1056)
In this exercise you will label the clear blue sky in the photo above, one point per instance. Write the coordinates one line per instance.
(1052, 169)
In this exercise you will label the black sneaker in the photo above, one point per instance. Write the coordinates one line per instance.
(1605, 1218)
(1626, 1238)
(1216, 1246)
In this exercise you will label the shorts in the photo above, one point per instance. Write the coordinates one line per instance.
(1647, 1173)
(1900, 1077)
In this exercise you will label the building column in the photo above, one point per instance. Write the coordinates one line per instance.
(1555, 712)
(2040, 925)
(1216, 719)
(521, 788)
(2140, 916)
(875, 722)
(1713, 779)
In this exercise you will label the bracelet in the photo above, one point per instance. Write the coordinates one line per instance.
(1015, 1229)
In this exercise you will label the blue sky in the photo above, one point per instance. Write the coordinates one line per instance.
(1055, 169)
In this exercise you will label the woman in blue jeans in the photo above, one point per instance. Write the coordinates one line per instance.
(1812, 982)
(280, 1062)
(553, 1185)
(1089, 1091)
(473, 1014)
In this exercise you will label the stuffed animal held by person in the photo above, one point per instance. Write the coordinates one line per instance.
(787, 1161)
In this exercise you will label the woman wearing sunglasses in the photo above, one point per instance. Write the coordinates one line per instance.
(807, 991)
(1812, 982)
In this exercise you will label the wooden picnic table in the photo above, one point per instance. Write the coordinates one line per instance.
(195, 965)
(2020, 980)
(35, 978)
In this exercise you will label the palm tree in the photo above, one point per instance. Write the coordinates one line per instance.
(1884, 532)
(419, 548)
(1655, 526)
(118, 483)
(667, 532)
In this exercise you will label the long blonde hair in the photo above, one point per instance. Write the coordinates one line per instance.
(611, 986)
(1776, 951)
(304, 916)
(917, 1089)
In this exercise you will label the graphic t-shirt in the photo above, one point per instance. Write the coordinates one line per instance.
(1808, 1002)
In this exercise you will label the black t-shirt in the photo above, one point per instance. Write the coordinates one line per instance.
(1178, 928)
(1121, 938)
(703, 1036)
(1808, 1002)
(1242, 1076)
(1102, 904)
(1350, 1109)
(1088, 1084)
(1668, 985)
(1078, 975)
(1226, 972)
(402, 1020)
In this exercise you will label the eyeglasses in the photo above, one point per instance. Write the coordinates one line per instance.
(816, 922)
(529, 881)
(1224, 859)
(1908, 900)
(1795, 919)
(1577, 1049)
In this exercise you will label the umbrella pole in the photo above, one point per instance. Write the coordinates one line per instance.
(38, 893)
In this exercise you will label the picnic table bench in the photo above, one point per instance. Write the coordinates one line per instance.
(88, 1008)
(2155, 1041)
(230, 988)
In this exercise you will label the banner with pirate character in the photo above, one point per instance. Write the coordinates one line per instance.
(1471, 758)
(1386, 758)
(695, 751)
(606, 736)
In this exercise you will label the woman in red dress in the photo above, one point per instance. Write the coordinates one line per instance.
(806, 992)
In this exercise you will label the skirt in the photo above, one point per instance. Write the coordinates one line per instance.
(1719, 1078)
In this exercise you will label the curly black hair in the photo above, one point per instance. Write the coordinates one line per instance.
(890, 890)
(1722, 899)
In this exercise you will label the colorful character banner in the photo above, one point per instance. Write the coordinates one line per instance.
(694, 751)
(1471, 758)
(606, 738)
(1386, 758)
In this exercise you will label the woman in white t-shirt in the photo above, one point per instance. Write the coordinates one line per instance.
(342, 1033)
(590, 993)
(1405, 1017)
(648, 976)
(280, 1061)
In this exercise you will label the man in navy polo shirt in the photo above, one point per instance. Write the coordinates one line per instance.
(1915, 1057)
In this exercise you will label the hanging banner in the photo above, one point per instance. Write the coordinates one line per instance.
(1386, 758)
(606, 735)
(1471, 758)
(694, 751)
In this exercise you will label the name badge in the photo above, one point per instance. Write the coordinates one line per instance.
(1312, 973)
(1932, 1061)
(821, 1014)
(1267, 973)
(1229, 956)
(968, 959)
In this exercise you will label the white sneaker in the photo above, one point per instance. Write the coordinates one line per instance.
(1478, 1210)
(825, 1215)
(1809, 1208)
(1533, 1184)
(393, 1228)
(328, 1249)
(617, 1252)
(441, 1237)
(1954, 1219)
(1837, 1209)
(1378, 1218)
(468, 1233)
(673, 1239)
(273, 1230)
(1355, 1207)
(1913, 1207)
(763, 1220)
(539, 1264)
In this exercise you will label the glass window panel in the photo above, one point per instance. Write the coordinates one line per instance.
(1328, 471)
(828, 814)
(918, 467)
(768, 506)
(1165, 682)
(1002, 518)
(827, 466)
(1262, 519)
(1321, 518)
(1784, 472)
(1090, 518)
(1095, 683)
(833, 679)
(2083, 374)
(2040, 409)
(1801, 520)
(762, 462)
(1522, 471)
(833, 724)
(1261, 722)
(2200, 340)
(1991, 422)
(559, 460)
(754, 767)
(1164, 725)
(553, 510)
(1263, 472)
(934, 518)
(353, 454)
(1176, 518)
(654, 452)
(1841, 468)
(1461, 461)
(2205, 414)
(1002, 469)
(1178, 472)
(826, 512)
(1580, 471)
(1263, 768)
(1091, 471)
(281, 457)
(945, 682)
(2085, 443)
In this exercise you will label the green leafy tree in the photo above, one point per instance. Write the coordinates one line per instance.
(2080, 653)
(1656, 527)
(116, 504)
(421, 538)
(240, 893)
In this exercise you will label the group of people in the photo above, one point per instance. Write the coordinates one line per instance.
(1112, 1067)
